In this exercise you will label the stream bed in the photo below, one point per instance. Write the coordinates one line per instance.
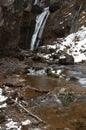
(59, 103)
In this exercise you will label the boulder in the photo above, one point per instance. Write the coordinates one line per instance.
(66, 59)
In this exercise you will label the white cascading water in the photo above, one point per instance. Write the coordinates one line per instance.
(38, 2)
(39, 27)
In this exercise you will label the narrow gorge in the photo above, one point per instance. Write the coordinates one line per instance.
(42, 65)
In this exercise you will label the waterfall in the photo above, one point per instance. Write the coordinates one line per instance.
(38, 2)
(39, 27)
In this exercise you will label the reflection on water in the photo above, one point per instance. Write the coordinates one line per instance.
(76, 73)
(43, 82)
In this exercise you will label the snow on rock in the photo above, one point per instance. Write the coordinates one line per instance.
(58, 72)
(2, 98)
(3, 105)
(15, 125)
(26, 122)
(55, 72)
(75, 45)
(40, 72)
(62, 57)
(11, 125)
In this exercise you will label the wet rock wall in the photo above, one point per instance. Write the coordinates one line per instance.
(17, 21)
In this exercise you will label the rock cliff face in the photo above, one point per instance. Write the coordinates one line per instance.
(67, 18)
(9, 25)
(17, 21)
(11, 20)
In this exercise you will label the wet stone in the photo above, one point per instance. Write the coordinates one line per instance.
(9, 101)
(2, 117)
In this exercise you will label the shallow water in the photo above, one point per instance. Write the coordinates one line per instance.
(62, 106)
(78, 72)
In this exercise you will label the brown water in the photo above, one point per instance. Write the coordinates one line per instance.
(56, 111)
(56, 115)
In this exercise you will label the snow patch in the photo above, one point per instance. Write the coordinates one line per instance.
(2, 98)
(74, 44)
(39, 72)
(3, 105)
(11, 125)
(26, 122)
(62, 57)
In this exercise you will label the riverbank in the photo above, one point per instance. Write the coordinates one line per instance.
(62, 99)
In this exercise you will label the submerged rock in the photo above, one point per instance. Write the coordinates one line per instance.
(66, 96)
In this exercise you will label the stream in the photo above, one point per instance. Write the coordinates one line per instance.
(44, 88)
(59, 102)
